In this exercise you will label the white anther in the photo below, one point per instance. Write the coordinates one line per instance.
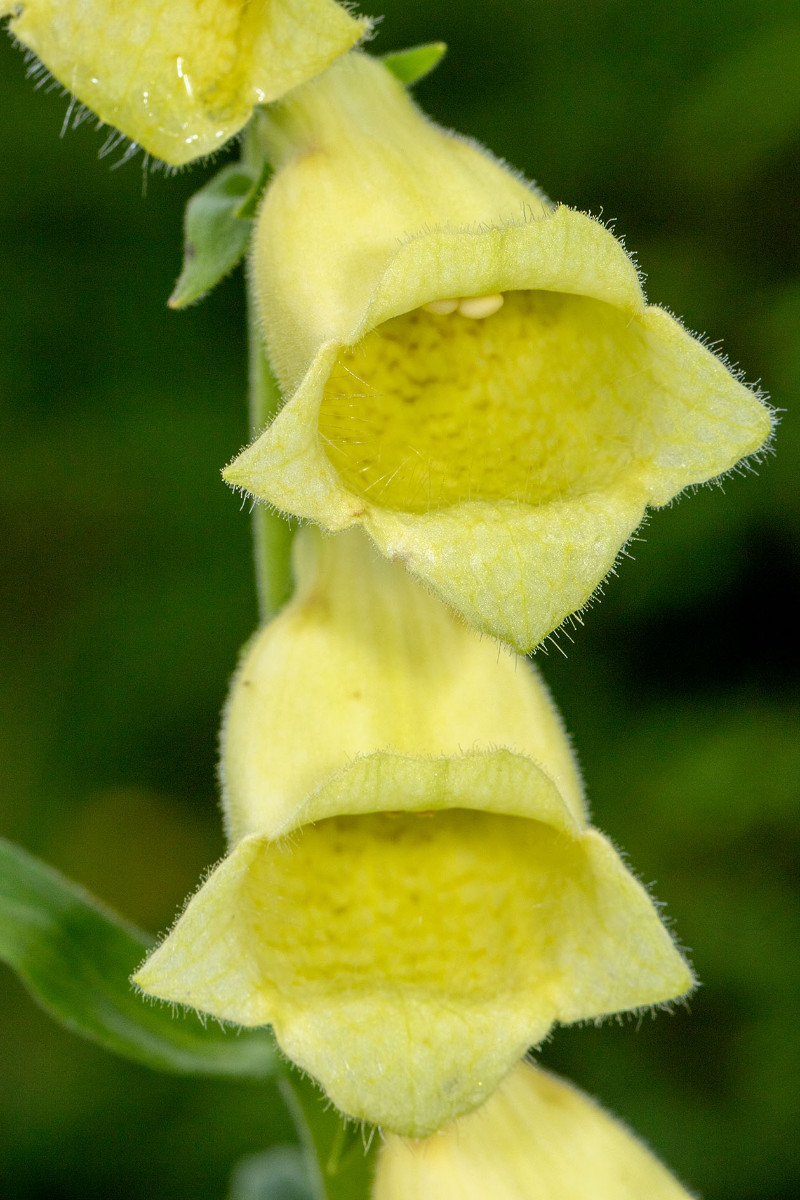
(441, 307)
(479, 307)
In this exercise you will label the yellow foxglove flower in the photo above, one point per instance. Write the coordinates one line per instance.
(413, 895)
(537, 1138)
(180, 77)
(474, 374)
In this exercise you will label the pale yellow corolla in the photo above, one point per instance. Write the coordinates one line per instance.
(180, 77)
(537, 1138)
(472, 373)
(413, 895)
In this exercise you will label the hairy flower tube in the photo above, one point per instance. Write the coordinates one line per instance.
(473, 374)
(180, 77)
(536, 1138)
(413, 895)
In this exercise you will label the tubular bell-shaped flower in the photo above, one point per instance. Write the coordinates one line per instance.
(413, 895)
(536, 1138)
(180, 77)
(474, 374)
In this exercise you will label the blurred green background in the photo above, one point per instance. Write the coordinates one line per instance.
(126, 584)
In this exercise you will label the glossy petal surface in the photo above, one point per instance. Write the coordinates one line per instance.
(180, 77)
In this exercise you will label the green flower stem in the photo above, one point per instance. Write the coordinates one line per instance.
(272, 533)
(340, 1157)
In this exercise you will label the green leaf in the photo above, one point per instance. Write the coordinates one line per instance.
(416, 62)
(278, 1174)
(339, 1153)
(215, 232)
(76, 956)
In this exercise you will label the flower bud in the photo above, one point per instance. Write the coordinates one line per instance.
(536, 1138)
(413, 895)
(180, 77)
(474, 374)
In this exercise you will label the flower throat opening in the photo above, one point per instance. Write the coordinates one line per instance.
(538, 400)
(450, 904)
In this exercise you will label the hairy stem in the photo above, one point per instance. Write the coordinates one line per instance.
(272, 533)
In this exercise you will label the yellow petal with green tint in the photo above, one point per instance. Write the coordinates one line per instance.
(506, 459)
(537, 1138)
(406, 959)
(365, 659)
(413, 896)
(180, 77)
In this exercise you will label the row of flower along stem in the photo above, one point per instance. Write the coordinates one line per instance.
(368, 1050)
(537, 1135)
(400, 1173)
(472, 374)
